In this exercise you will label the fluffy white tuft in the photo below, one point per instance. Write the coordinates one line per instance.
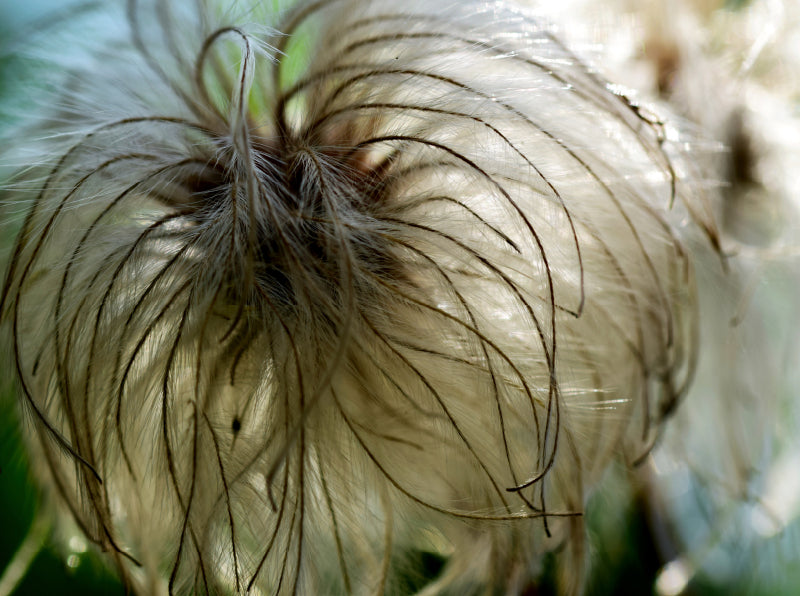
(301, 293)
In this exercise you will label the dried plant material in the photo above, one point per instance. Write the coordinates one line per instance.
(294, 300)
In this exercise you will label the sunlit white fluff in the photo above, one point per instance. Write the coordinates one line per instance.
(718, 492)
(301, 293)
(736, 72)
